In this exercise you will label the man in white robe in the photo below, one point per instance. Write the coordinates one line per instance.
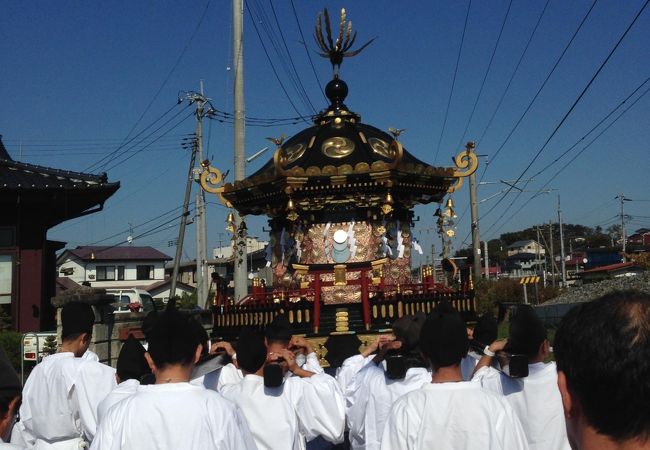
(10, 388)
(450, 413)
(173, 414)
(373, 390)
(131, 367)
(301, 408)
(352, 365)
(602, 349)
(277, 337)
(481, 336)
(536, 398)
(61, 395)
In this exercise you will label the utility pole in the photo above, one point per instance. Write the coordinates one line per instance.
(487, 262)
(550, 235)
(181, 229)
(202, 278)
(539, 256)
(623, 200)
(563, 259)
(476, 240)
(240, 271)
(433, 262)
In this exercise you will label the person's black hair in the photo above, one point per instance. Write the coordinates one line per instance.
(526, 333)
(6, 397)
(172, 340)
(148, 323)
(201, 334)
(486, 329)
(407, 330)
(131, 363)
(443, 339)
(76, 318)
(279, 330)
(603, 348)
(251, 351)
(70, 337)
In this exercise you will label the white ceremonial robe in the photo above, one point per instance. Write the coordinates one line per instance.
(468, 364)
(349, 369)
(7, 446)
(369, 398)
(450, 416)
(174, 416)
(536, 400)
(312, 364)
(282, 418)
(229, 374)
(60, 400)
(123, 390)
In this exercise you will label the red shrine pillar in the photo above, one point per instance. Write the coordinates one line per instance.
(365, 301)
(316, 302)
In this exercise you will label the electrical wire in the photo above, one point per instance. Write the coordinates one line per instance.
(141, 149)
(549, 165)
(124, 143)
(136, 226)
(173, 69)
(268, 57)
(304, 43)
(568, 113)
(487, 71)
(548, 76)
(284, 42)
(572, 159)
(156, 229)
(512, 76)
(453, 82)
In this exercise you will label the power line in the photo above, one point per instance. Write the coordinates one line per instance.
(172, 70)
(141, 149)
(268, 57)
(503, 95)
(575, 103)
(512, 76)
(156, 229)
(539, 90)
(136, 226)
(487, 71)
(593, 128)
(572, 159)
(304, 43)
(127, 142)
(284, 42)
(453, 82)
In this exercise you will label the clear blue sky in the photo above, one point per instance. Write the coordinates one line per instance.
(77, 76)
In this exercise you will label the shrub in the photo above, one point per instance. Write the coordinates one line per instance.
(10, 342)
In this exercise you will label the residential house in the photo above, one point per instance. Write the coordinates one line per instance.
(640, 237)
(113, 267)
(523, 264)
(618, 270)
(526, 246)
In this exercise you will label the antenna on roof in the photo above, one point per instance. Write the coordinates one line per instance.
(129, 239)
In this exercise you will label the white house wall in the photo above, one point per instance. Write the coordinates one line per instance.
(87, 272)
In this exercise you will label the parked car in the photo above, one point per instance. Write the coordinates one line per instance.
(128, 299)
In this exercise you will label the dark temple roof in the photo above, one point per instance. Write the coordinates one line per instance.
(108, 253)
(48, 196)
(19, 175)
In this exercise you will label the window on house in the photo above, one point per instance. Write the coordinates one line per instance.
(144, 272)
(120, 272)
(105, 273)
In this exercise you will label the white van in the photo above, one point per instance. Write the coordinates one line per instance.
(125, 296)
